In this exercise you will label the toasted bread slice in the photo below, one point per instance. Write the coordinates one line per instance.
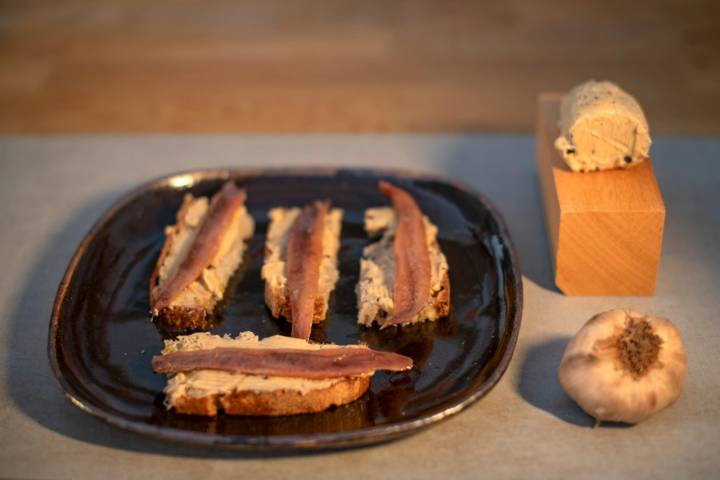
(274, 270)
(276, 403)
(377, 267)
(205, 392)
(191, 308)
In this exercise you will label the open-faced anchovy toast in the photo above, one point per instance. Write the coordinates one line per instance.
(200, 254)
(275, 376)
(404, 274)
(300, 269)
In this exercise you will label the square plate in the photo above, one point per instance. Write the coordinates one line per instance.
(102, 338)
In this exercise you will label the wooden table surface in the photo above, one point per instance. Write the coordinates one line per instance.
(342, 66)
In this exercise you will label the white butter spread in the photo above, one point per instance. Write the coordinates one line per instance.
(201, 383)
(210, 286)
(601, 127)
(377, 269)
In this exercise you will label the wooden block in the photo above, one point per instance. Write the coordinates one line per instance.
(606, 227)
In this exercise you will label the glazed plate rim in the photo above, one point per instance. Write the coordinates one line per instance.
(285, 442)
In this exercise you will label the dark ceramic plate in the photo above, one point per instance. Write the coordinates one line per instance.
(102, 339)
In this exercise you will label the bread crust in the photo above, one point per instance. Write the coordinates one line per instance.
(184, 318)
(279, 304)
(442, 299)
(275, 403)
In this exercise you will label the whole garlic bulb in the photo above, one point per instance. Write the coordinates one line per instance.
(623, 366)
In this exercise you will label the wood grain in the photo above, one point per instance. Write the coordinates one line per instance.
(606, 227)
(344, 66)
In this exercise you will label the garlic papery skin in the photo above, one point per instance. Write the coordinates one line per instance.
(623, 366)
